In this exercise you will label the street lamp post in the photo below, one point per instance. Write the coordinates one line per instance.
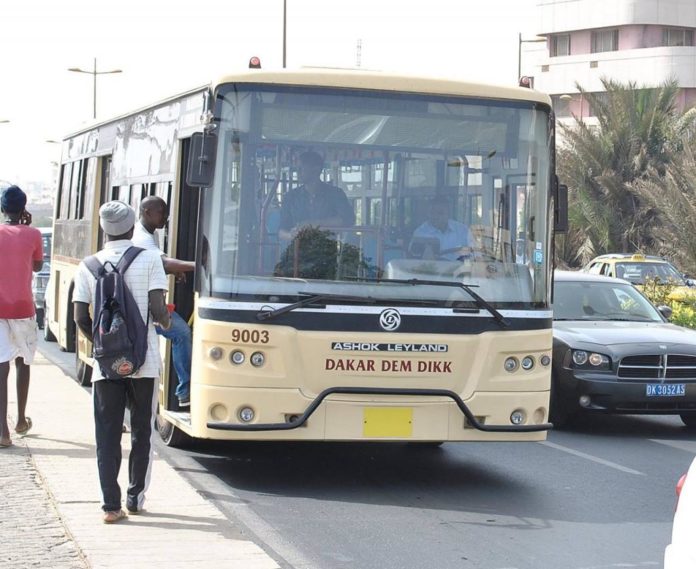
(94, 74)
(520, 41)
(285, 28)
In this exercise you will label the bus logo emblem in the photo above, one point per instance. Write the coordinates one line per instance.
(390, 319)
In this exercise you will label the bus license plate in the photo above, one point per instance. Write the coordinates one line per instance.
(387, 422)
(665, 389)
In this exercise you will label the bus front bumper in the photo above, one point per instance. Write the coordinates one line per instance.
(300, 420)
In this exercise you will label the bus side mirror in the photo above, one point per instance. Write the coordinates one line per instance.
(201, 161)
(560, 211)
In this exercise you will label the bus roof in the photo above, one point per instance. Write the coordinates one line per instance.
(382, 81)
(347, 79)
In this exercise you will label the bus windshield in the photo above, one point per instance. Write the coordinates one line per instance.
(354, 193)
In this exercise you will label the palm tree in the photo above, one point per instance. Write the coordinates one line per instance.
(673, 195)
(636, 127)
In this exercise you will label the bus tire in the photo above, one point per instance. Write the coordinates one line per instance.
(689, 420)
(83, 372)
(47, 334)
(170, 434)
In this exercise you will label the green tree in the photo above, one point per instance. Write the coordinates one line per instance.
(635, 133)
(673, 195)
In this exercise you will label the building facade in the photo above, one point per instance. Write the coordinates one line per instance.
(643, 41)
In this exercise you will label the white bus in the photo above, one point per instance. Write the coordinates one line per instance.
(356, 331)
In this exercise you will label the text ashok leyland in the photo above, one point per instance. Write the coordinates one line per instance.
(376, 347)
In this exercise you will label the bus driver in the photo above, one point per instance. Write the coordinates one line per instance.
(314, 203)
(441, 237)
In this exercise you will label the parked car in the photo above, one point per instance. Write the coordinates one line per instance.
(681, 553)
(40, 279)
(614, 352)
(637, 268)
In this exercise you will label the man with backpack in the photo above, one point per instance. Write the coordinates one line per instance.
(125, 287)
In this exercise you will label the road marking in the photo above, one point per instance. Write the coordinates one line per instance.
(688, 446)
(592, 458)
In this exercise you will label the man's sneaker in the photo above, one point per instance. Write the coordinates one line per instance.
(185, 401)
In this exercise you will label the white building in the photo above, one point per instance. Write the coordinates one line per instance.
(643, 41)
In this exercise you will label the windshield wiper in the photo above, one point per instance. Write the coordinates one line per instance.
(480, 301)
(311, 298)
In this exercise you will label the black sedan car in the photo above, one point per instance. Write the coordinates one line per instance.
(614, 352)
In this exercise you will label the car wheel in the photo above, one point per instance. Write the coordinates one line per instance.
(170, 434)
(83, 372)
(689, 419)
(559, 410)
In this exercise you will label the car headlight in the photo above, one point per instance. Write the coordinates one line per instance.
(590, 360)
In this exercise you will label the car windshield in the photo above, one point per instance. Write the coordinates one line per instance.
(639, 272)
(584, 300)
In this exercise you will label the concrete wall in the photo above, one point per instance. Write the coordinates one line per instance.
(568, 15)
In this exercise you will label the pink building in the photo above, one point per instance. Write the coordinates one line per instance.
(643, 41)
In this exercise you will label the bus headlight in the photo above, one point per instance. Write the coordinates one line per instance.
(517, 417)
(246, 414)
(545, 360)
(237, 357)
(216, 353)
(511, 364)
(257, 359)
(527, 363)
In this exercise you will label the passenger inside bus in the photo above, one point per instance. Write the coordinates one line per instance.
(314, 203)
(441, 237)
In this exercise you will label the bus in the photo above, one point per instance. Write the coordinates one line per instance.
(348, 332)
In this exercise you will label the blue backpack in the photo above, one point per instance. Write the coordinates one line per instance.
(119, 335)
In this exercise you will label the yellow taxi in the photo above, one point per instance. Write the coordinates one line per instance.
(636, 268)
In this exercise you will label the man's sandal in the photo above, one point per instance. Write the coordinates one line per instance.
(113, 517)
(26, 429)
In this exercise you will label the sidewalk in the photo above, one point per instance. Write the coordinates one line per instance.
(50, 513)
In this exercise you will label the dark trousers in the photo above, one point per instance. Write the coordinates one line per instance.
(110, 398)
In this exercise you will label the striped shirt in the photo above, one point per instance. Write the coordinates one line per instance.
(146, 273)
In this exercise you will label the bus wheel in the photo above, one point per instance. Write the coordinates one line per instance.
(83, 372)
(171, 435)
(47, 334)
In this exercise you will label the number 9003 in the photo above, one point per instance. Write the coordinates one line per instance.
(250, 336)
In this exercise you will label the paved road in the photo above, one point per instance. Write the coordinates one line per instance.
(597, 497)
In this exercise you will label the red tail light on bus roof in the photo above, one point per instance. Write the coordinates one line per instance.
(254, 63)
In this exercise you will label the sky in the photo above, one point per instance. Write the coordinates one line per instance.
(165, 47)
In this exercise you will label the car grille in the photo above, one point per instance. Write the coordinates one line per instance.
(660, 366)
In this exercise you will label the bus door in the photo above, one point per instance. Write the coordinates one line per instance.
(183, 211)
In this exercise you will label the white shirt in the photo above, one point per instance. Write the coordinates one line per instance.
(145, 273)
(455, 235)
(143, 238)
